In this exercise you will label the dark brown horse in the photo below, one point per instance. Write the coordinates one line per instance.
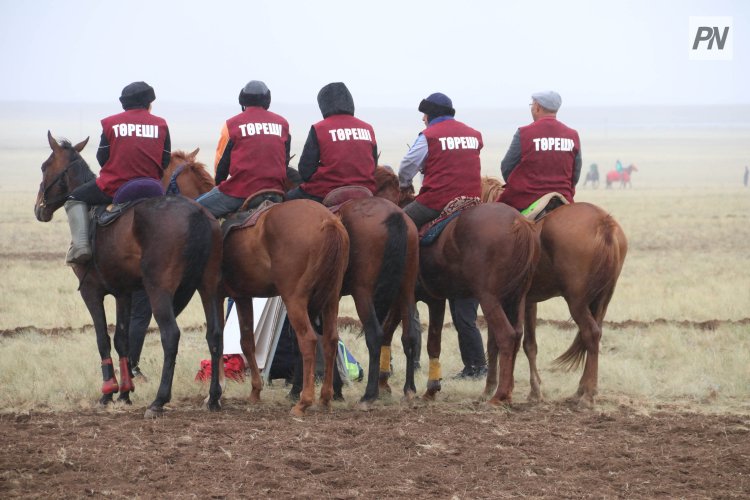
(488, 252)
(297, 250)
(167, 245)
(583, 250)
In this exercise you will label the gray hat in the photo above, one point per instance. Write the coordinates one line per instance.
(549, 100)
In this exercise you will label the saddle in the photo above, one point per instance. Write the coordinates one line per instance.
(128, 195)
(246, 218)
(339, 196)
(429, 233)
(543, 206)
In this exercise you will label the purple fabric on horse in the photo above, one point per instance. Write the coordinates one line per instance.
(141, 187)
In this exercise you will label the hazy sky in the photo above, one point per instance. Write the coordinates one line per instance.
(389, 53)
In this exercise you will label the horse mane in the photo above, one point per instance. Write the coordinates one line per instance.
(205, 181)
(492, 188)
(385, 178)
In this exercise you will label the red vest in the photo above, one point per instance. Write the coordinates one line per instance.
(136, 143)
(548, 153)
(258, 157)
(452, 168)
(346, 159)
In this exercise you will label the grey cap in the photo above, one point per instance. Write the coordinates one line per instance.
(549, 100)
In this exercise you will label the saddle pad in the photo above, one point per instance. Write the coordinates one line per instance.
(544, 205)
(242, 220)
(104, 215)
(140, 187)
(345, 193)
(429, 234)
(453, 208)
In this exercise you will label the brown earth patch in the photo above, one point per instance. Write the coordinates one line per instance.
(437, 451)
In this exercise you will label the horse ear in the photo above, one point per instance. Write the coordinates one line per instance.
(79, 147)
(53, 142)
(194, 153)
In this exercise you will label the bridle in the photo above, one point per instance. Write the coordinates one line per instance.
(59, 178)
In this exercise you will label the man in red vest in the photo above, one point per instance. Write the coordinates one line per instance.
(252, 155)
(447, 153)
(340, 150)
(544, 156)
(134, 144)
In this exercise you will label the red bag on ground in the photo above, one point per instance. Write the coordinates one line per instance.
(234, 368)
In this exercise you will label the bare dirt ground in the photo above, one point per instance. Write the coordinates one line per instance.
(550, 450)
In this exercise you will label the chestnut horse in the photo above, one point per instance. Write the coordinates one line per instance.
(583, 251)
(381, 269)
(196, 179)
(167, 245)
(488, 252)
(297, 250)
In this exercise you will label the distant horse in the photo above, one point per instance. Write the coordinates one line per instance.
(623, 177)
(488, 252)
(583, 250)
(592, 176)
(297, 250)
(166, 245)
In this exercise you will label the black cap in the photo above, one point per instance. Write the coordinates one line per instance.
(137, 95)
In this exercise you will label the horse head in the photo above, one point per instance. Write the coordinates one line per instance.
(492, 188)
(63, 171)
(192, 179)
(387, 184)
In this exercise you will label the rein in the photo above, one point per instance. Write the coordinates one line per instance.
(59, 177)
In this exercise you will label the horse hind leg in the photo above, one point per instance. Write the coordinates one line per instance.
(508, 340)
(530, 349)
(213, 309)
(307, 342)
(247, 342)
(585, 348)
(162, 307)
(330, 350)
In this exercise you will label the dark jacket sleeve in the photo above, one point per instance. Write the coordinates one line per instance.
(577, 168)
(310, 159)
(166, 155)
(288, 146)
(293, 176)
(375, 154)
(222, 168)
(102, 154)
(512, 157)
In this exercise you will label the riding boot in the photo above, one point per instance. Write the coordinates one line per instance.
(78, 220)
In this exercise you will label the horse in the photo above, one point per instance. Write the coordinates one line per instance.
(381, 270)
(297, 250)
(488, 252)
(592, 176)
(196, 180)
(166, 245)
(623, 177)
(583, 249)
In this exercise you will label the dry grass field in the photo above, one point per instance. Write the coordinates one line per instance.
(673, 367)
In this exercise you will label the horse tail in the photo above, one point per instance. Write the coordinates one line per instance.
(392, 266)
(525, 255)
(327, 267)
(196, 253)
(609, 253)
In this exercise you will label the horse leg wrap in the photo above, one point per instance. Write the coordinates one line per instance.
(385, 360)
(126, 384)
(108, 374)
(435, 371)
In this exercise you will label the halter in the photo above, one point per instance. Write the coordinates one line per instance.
(58, 178)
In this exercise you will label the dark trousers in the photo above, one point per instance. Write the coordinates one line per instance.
(140, 318)
(420, 214)
(464, 314)
(299, 194)
(90, 193)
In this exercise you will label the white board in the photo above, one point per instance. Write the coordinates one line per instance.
(268, 318)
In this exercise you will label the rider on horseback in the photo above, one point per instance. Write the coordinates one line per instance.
(340, 149)
(544, 156)
(134, 144)
(252, 155)
(447, 153)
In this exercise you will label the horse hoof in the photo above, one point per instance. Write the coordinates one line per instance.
(428, 396)
(535, 398)
(254, 397)
(124, 398)
(363, 405)
(152, 413)
(408, 396)
(293, 396)
(338, 397)
(297, 411)
(106, 400)
(214, 406)
(496, 403)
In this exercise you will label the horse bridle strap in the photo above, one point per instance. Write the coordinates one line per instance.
(54, 182)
